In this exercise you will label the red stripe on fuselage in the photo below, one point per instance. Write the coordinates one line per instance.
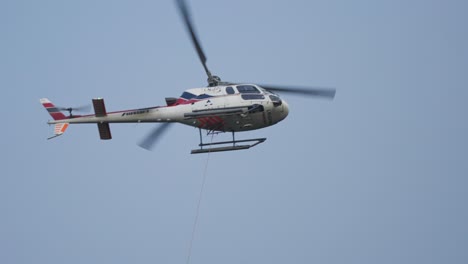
(211, 122)
(57, 115)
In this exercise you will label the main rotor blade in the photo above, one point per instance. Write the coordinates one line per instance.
(328, 93)
(151, 139)
(191, 29)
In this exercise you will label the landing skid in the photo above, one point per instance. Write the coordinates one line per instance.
(226, 148)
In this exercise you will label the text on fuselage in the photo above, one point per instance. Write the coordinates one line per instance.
(138, 112)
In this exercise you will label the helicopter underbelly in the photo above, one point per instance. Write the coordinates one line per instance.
(234, 123)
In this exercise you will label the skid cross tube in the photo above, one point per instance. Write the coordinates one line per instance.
(259, 140)
(226, 148)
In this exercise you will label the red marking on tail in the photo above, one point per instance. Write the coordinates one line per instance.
(53, 111)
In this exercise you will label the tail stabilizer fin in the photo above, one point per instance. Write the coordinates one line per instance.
(53, 111)
(59, 129)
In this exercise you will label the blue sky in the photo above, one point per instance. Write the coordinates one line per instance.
(378, 175)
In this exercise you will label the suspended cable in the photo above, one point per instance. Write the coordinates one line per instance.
(198, 205)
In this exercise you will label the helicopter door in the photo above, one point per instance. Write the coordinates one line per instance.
(229, 99)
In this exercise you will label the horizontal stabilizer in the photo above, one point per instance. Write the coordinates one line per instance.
(100, 111)
(99, 107)
(104, 131)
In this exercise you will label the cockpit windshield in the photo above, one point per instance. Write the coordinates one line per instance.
(247, 89)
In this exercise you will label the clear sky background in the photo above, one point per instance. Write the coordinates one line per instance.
(379, 175)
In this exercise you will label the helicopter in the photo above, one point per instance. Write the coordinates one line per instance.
(216, 108)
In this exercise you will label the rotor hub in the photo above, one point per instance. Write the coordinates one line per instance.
(213, 80)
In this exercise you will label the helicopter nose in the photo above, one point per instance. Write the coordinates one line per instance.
(285, 109)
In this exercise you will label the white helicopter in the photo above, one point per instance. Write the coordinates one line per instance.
(219, 107)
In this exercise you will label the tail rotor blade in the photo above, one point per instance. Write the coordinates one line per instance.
(152, 138)
(83, 108)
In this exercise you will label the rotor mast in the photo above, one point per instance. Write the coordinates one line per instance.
(213, 80)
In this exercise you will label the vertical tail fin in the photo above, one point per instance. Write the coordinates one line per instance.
(53, 111)
(59, 129)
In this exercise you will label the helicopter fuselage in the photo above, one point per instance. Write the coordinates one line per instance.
(230, 108)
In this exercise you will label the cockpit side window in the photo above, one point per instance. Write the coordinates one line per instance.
(276, 100)
(229, 90)
(247, 89)
(253, 96)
